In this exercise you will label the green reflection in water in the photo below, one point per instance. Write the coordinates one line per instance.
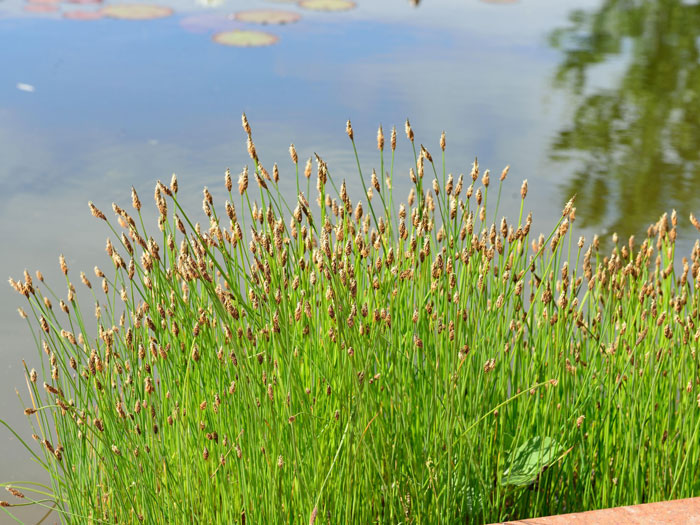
(636, 144)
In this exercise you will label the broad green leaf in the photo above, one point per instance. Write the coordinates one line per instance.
(526, 463)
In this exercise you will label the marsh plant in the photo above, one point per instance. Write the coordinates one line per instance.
(375, 361)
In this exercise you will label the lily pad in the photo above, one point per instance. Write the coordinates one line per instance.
(136, 11)
(208, 22)
(245, 38)
(267, 16)
(82, 15)
(328, 5)
(529, 460)
(40, 8)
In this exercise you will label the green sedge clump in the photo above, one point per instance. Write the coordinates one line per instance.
(371, 361)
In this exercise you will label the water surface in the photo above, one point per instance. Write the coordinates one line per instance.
(587, 97)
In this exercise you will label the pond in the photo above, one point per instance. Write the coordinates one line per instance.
(589, 97)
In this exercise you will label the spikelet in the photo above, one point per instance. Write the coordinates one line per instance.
(694, 221)
(409, 131)
(380, 139)
(63, 265)
(504, 173)
(375, 180)
(135, 201)
(568, 207)
(425, 153)
(96, 212)
(243, 181)
(261, 182)
(475, 170)
(348, 130)
(251, 149)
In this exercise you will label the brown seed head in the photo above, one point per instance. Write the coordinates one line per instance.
(523, 189)
(246, 126)
(393, 138)
(694, 221)
(348, 129)
(307, 169)
(409, 131)
(293, 154)
(243, 181)
(569, 206)
(375, 180)
(16, 493)
(173, 183)
(135, 201)
(207, 195)
(251, 149)
(426, 153)
(504, 173)
(380, 139)
(96, 212)
(475, 170)
(442, 141)
(227, 180)
(260, 181)
(62, 263)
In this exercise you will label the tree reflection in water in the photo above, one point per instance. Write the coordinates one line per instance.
(637, 145)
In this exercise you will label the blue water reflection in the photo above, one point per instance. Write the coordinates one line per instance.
(114, 103)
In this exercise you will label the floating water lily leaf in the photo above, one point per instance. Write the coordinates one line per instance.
(82, 15)
(328, 5)
(208, 22)
(529, 459)
(40, 8)
(245, 38)
(267, 16)
(136, 11)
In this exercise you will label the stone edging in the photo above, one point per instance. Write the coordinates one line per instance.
(677, 512)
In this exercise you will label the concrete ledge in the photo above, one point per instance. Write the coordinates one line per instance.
(682, 511)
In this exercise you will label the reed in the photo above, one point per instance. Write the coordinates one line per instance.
(357, 362)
